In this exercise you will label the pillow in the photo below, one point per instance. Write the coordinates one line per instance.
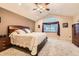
(19, 31)
(27, 30)
(13, 33)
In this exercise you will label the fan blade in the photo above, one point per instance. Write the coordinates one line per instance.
(48, 9)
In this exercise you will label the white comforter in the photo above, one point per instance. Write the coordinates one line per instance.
(29, 40)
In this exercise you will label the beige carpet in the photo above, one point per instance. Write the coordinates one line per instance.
(53, 47)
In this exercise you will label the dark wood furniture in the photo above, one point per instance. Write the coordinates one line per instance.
(12, 28)
(75, 34)
(4, 43)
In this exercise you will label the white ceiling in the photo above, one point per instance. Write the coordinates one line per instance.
(67, 9)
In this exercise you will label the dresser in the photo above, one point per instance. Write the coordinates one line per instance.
(75, 34)
(4, 43)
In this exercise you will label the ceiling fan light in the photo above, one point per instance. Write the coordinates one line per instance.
(38, 9)
(42, 7)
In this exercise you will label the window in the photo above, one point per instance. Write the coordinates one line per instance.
(50, 27)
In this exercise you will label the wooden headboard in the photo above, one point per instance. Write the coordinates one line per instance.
(12, 28)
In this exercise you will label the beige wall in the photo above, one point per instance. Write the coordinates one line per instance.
(76, 19)
(9, 18)
(65, 33)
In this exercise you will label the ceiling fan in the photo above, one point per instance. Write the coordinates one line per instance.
(41, 7)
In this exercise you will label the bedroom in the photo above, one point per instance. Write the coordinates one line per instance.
(56, 23)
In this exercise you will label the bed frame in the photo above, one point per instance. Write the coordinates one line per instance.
(12, 28)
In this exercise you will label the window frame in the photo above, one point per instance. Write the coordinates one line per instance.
(58, 29)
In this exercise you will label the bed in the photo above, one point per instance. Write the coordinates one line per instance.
(34, 41)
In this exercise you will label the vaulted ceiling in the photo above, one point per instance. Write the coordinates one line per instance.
(26, 9)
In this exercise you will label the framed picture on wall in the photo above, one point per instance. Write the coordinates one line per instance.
(65, 25)
(38, 26)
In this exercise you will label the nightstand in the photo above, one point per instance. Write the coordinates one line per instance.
(4, 43)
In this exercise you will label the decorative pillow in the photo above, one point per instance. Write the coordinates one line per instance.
(27, 30)
(13, 33)
(19, 31)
